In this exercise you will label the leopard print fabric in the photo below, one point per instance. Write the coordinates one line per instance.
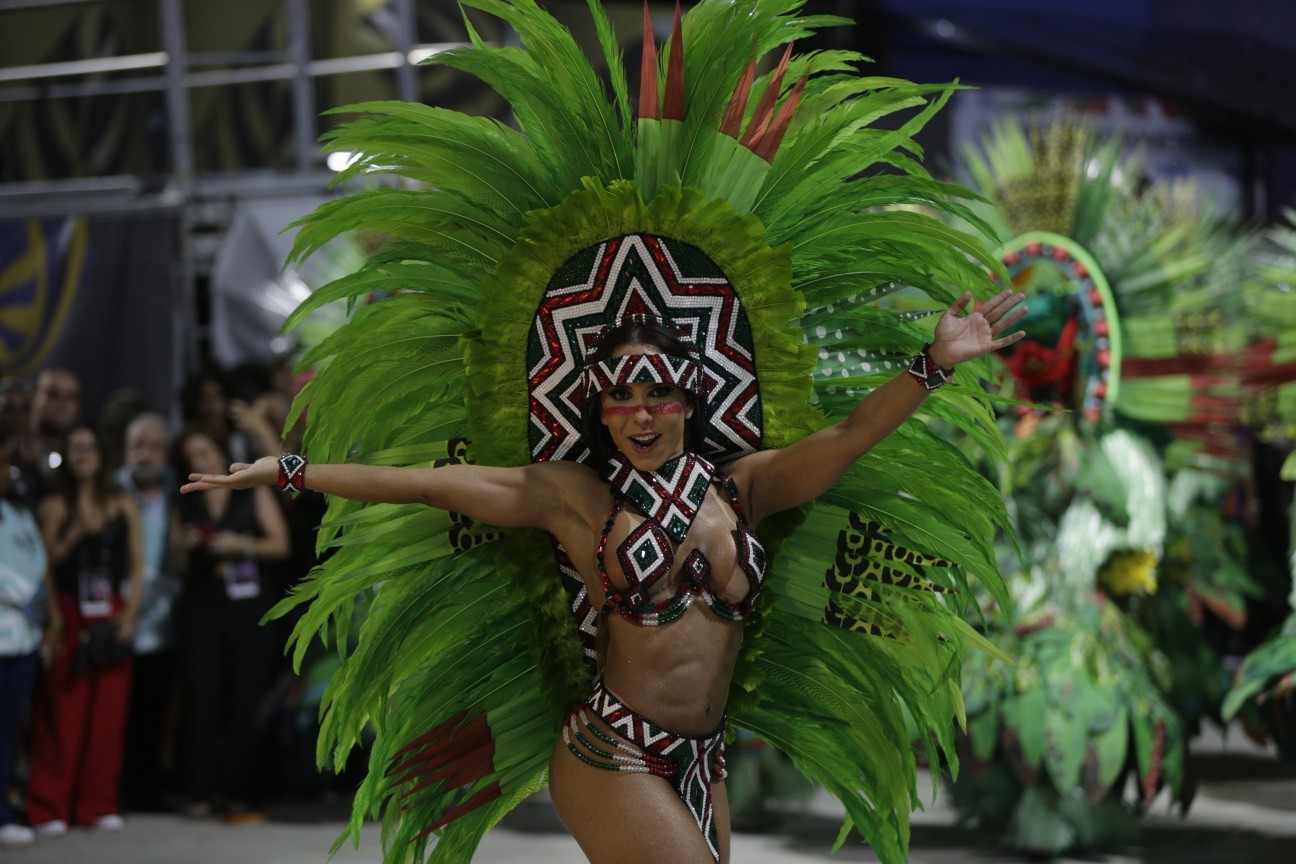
(864, 556)
(462, 536)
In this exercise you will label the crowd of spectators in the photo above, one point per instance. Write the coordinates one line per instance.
(135, 675)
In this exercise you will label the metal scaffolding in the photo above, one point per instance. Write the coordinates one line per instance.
(175, 72)
(202, 203)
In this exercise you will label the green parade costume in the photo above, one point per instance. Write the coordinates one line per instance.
(1135, 331)
(1264, 690)
(723, 208)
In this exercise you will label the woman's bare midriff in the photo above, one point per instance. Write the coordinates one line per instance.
(677, 675)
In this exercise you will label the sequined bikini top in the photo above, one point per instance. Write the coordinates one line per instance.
(670, 497)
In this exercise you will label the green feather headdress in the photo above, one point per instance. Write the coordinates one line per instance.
(467, 658)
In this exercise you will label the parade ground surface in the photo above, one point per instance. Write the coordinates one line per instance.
(1245, 812)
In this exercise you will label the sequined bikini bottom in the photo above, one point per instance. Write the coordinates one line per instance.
(691, 765)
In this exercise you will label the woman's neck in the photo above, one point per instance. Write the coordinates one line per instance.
(87, 493)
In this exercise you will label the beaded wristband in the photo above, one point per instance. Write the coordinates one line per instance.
(292, 472)
(922, 367)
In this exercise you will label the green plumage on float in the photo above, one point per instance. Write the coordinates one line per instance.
(1118, 501)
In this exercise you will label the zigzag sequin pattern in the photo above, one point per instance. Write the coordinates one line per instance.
(702, 759)
(641, 274)
(582, 610)
(641, 369)
(672, 497)
(674, 493)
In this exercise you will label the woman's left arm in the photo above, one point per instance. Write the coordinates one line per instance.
(777, 480)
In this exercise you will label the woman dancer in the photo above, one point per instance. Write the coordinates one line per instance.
(648, 567)
(747, 211)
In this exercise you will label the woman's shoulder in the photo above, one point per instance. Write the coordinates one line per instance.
(565, 472)
(742, 473)
(741, 468)
(52, 506)
(577, 487)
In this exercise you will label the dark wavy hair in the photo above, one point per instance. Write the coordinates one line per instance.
(639, 331)
(63, 484)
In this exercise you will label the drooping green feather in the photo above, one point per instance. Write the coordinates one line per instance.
(477, 157)
(553, 73)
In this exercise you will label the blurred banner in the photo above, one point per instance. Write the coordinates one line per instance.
(251, 291)
(100, 297)
(41, 264)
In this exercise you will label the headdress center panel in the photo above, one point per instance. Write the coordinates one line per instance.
(641, 274)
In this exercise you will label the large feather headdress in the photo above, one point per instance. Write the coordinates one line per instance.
(727, 203)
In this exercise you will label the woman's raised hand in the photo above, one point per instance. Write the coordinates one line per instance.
(262, 472)
(962, 337)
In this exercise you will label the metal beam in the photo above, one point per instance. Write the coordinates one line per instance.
(245, 75)
(94, 66)
(177, 95)
(13, 5)
(177, 72)
(364, 63)
(140, 84)
(236, 58)
(303, 89)
(406, 28)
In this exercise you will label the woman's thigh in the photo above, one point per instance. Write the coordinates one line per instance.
(620, 817)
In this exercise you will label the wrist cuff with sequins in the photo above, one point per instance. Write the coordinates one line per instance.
(924, 368)
(292, 472)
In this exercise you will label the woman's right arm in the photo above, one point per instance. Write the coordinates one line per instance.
(52, 639)
(528, 496)
(59, 533)
(50, 517)
(177, 550)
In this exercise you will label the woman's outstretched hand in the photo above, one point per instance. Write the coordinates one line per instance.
(263, 472)
(962, 337)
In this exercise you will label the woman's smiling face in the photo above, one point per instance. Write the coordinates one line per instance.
(202, 455)
(83, 457)
(647, 420)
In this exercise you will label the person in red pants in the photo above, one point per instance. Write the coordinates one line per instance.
(92, 536)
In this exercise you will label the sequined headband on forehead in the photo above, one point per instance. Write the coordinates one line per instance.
(636, 318)
(641, 369)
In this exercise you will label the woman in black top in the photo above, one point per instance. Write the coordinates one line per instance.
(92, 535)
(227, 660)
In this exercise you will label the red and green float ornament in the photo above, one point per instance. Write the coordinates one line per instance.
(1072, 355)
